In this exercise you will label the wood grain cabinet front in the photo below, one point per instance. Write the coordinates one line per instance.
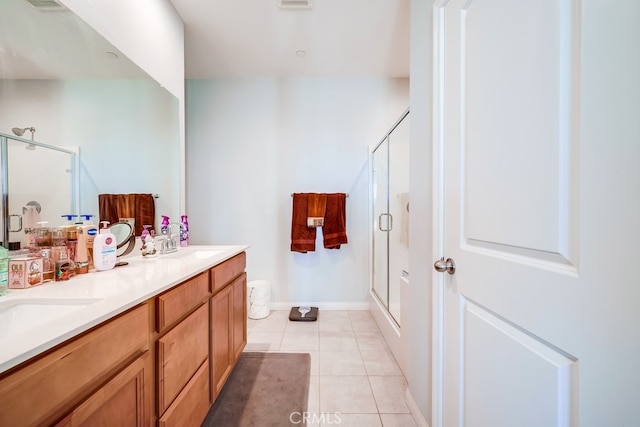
(180, 353)
(47, 389)
(192, 404)
(179, 301)
(228, 330)
(123, 401)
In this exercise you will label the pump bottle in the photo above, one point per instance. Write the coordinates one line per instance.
(104, 249)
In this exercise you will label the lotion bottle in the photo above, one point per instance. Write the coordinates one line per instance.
(90, 232)
(104, 249)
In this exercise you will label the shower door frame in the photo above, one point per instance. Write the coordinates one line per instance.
(376, 222)
(74, 167)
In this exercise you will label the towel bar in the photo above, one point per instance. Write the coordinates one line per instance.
(346, 194)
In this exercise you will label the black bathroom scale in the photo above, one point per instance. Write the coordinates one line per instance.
(305, 314)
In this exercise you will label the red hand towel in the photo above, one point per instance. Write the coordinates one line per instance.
(334, 230)
(303, 238)
(114, 207)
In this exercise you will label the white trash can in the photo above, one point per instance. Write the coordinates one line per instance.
(259, 298)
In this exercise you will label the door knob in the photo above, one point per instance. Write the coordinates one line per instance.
(441, 265)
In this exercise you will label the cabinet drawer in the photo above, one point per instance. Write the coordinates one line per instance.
(59, 380)
(180, 353)
(225, 272)
(123, 401)
(175, 303)
(192, 404)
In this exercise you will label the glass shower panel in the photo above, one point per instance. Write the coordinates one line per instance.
(40, 187)
(381, 222)
(390, 210)
(398, 208)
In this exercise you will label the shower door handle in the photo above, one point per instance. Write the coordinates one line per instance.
(389, 222)
(19, 223)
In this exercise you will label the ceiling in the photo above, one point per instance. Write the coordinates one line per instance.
(43, 43)
(257, 38)
(223, 39)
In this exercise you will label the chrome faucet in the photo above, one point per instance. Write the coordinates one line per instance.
(172, 241)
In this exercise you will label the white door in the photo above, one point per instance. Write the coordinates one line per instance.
(539, 102)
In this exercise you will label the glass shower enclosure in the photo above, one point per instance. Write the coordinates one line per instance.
(36, 178)
(390, 211)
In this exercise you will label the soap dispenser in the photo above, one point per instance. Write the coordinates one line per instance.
(104, 249)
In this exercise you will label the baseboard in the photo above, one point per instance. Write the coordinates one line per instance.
(415, 411)
(321, 305)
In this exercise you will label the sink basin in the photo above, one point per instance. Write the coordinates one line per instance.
(21, 314)
(195, 254)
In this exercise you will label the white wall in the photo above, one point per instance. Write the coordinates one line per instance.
(253, 142)
(421, 253)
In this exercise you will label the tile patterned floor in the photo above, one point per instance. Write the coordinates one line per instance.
(355, 380)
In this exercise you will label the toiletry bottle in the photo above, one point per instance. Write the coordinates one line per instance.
(72, 242)
(43, 235)
(164, 227)
(4, 270)
(184, 232)
(82, 256)
(69, 218)
(104, 249)
(145, 233)
(90, 232)
(48, 265)
(64, 266)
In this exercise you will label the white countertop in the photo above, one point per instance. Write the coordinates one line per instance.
(37, 319)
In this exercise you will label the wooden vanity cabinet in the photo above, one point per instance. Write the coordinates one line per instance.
(85, 379)
(162, 362)
(228, 319)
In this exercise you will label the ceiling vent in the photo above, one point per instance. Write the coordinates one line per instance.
(294, 4)
(47, 5)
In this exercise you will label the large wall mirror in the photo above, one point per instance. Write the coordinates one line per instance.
(79, 93)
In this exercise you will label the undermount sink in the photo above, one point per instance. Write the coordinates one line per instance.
(21, 314)
(187, 252)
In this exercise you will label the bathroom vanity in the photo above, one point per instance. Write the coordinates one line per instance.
(149, 343)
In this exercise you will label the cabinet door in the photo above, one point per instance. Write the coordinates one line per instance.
(123, 401)
(239, 315)
(221, 344)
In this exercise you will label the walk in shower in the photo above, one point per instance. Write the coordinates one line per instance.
(390, 230)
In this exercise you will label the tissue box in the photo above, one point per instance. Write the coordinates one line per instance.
(25, 272)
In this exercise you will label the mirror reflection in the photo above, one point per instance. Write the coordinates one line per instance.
(35, 202)
(125, 238)
(59, 76)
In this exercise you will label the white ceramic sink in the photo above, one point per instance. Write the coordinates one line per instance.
(22, 314)
(191, 253)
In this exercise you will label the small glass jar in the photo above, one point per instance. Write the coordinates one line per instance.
(43, 237)
(48, 265)
(58, 237)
